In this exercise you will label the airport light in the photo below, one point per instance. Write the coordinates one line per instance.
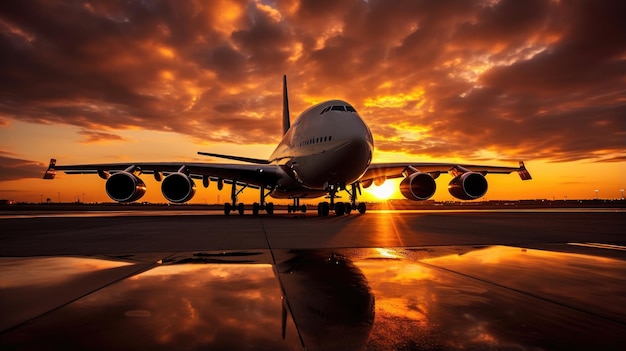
(622, 192)
(596, 191)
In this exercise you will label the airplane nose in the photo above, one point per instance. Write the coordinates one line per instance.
(356, 156)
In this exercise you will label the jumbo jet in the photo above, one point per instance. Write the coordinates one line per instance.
(327, 149)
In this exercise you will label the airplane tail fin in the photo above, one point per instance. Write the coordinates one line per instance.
(236, 158)
(286, 123)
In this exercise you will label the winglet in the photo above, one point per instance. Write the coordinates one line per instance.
(286, 122)
(523, 173)
(51, 172)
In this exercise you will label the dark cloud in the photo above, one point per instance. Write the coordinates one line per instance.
(14, 168)
(529, 79)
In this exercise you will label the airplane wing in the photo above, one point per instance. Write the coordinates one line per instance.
(254, 175)
(382, 171)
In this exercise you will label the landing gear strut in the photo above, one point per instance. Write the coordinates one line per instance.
(256, 207)
(296, 206)
(361, 207)
(341, 208)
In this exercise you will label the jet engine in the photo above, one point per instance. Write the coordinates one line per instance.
(418, 186)
(468, 186)
(125, 187)
(178, 187)
(367, 183)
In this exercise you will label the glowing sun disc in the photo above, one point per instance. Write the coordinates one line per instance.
(382, 192)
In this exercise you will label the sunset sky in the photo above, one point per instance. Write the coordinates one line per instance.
(489, 82)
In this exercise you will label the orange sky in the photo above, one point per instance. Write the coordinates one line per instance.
(489, 82)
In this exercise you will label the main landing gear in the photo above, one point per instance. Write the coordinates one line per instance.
(341, 208)
(296, 206)
(240, 208)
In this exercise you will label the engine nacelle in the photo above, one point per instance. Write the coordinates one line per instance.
(125, 187)
(366, 183)
(178, 187)
(468, 186)
(418, 186)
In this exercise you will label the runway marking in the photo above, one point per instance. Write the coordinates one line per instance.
(600, 246)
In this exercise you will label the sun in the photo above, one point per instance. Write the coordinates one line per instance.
(383, 191)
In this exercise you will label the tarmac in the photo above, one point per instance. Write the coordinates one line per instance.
(384, 280)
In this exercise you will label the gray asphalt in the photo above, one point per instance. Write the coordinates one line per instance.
(44, 236)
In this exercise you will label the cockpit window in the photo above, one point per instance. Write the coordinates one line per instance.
(343, 108)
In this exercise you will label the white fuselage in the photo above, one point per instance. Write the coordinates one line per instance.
(327, 146)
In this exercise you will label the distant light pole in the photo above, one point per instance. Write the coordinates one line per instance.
(596, 191)
(622, 191)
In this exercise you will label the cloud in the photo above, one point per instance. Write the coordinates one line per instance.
(531, 79)
(15, 168)
(90, 136)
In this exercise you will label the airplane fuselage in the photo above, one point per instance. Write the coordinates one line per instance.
(328, 145)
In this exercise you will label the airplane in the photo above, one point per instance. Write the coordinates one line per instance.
(327, 149)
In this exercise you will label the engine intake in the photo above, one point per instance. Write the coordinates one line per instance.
(125, 187)
(178, 187)
(418, 186)
(468, 186)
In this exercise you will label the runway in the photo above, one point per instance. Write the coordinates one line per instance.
(383, 280)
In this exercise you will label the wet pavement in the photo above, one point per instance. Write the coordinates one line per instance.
(477, 297)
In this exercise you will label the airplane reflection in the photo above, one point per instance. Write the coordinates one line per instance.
(456, 297)
(329, 299)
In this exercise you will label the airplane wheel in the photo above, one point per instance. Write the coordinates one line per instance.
(240, 208)
(227, 209)
(303, 208)
(348, 208)
(255, 209)
(269, 208)
(362, 207)
(340, 209)
(325, 209)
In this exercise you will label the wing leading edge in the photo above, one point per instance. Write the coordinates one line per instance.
(259, 175)
(380, 171)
